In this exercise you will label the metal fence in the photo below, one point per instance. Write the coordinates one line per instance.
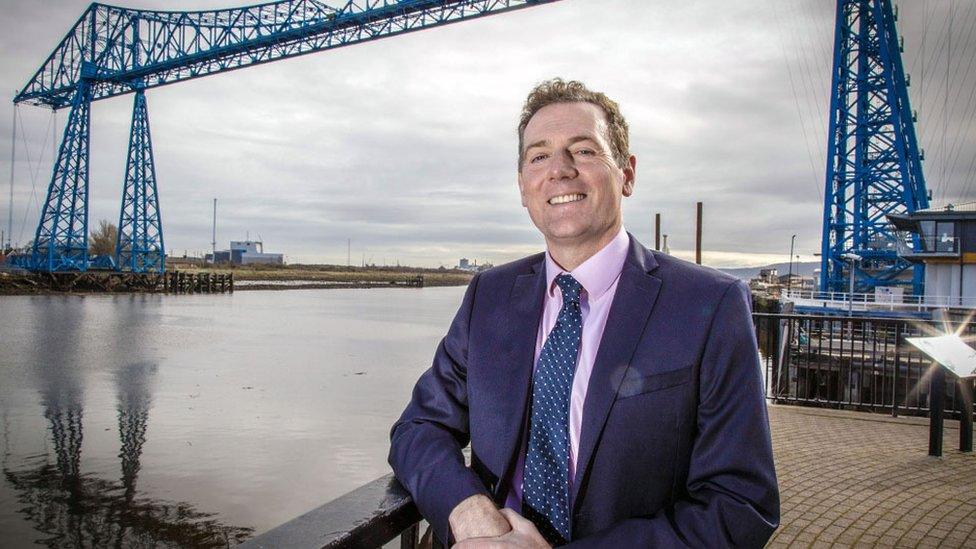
(878, 302)
(852, 363)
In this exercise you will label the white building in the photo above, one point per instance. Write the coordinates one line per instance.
(948, 249)
(248, 252)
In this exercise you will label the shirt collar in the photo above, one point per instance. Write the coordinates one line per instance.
(597, 273)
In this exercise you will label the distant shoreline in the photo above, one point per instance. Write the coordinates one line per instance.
(279, 277)
(270, 277)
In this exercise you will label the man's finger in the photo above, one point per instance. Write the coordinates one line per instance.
(524, 530)
(477, 543)
(511, 516)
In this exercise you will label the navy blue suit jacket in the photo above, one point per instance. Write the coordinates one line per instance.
(675, 445)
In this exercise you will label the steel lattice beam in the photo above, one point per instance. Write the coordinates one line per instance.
(874, 168)
(139, 247)
(61, 240)
(119, 47)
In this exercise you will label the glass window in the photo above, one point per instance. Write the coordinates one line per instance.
(928, 234)
(946, 237)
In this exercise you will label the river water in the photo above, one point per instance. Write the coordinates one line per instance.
(202, 419)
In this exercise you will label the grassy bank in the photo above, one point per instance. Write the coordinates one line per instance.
(332, 273)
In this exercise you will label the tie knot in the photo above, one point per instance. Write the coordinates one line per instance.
(570, 287)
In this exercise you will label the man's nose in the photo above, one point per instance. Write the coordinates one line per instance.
(563, 166)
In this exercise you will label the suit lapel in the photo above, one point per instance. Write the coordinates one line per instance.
(515, 360)
(636, 292)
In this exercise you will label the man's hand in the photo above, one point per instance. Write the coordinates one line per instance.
(477, 517)
(523, 535)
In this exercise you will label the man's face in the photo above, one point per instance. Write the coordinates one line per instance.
(568, 179)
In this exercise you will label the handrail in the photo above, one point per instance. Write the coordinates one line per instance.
(369, 516)
(914, 302)
(932, 244)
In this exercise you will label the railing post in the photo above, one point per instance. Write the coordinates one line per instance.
(772, 347)
(409, 537)
(894, 380)
(965, 389)
(936, 406)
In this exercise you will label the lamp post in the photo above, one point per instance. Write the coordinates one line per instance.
(851, 258)
(789, 277)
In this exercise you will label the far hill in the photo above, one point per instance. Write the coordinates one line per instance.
(802, 269)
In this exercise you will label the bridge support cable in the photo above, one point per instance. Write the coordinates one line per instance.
(61, 240)
(139, 245)
(10, 204)
(874, 168)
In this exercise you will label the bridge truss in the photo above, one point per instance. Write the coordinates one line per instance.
(114, 51)
(874, 168)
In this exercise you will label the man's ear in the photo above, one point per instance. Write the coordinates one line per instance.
(630, 176)
(521, 190)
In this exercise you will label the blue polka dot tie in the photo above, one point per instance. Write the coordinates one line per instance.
(545, 491)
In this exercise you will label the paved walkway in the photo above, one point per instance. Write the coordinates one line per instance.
(852, 479)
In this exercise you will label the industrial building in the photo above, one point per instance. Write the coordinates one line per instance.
(246, 252)
(947, 249)
(464, 264)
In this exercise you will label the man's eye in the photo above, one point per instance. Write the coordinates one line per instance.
(538, 158)
(587, 152)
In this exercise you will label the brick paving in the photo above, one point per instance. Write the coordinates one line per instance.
(854, 479)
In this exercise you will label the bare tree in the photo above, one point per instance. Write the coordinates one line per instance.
(102, 241)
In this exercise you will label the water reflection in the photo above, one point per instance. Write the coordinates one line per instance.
(247, 407)
(73, 509)
(134, 396)
(84, 511)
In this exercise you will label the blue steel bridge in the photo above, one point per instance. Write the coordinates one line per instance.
(114, 51)
(874, 167)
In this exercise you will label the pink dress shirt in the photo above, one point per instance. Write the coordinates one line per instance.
(598, 275)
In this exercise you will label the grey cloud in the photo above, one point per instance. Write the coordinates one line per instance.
(407, 145)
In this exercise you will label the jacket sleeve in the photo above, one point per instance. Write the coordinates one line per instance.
(426, 442)
(731, 497)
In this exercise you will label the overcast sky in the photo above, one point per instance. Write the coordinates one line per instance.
(407, 145)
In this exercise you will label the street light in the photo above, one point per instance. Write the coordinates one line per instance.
(851, 258)
(789, 277)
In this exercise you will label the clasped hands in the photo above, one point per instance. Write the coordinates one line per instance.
(477, 524)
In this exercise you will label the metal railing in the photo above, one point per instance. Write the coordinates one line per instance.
(827, 361)
(931, 245)
(852, 363)
(870, 301)
(369, 516)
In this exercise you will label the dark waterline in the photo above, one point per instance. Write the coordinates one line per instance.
(199, 420)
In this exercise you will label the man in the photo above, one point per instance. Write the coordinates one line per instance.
(612, 395)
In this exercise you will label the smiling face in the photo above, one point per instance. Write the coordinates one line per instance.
(568, 179)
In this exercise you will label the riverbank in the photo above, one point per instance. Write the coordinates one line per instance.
(332, 276)
(252, 277)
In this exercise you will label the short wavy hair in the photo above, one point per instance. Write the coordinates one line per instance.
(558, 90)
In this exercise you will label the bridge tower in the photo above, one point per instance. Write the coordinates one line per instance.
(139, 247)
(61, 240)
(873, 168)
